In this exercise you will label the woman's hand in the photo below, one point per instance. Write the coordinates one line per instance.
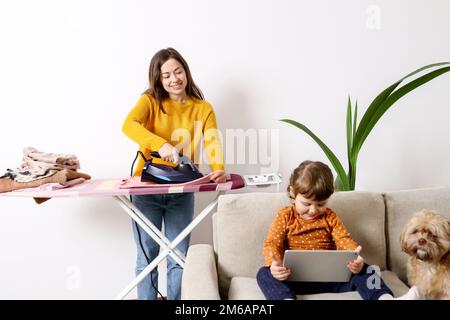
(219, 176)
(277, 270)
(169, 153)
(356, 265)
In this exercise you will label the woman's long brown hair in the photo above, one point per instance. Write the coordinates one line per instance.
(156, 88)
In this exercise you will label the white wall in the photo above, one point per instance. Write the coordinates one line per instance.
(71, 70)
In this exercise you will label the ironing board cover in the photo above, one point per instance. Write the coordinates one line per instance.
(135, 182)
(114, 187)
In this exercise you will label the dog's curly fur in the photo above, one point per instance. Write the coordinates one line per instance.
(426, 239)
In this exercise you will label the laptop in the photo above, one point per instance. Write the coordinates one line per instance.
(319, 265)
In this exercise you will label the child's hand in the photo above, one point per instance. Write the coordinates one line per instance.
(277, 269)
(356, 265)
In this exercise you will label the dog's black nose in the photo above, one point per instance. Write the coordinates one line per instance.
(422, 241)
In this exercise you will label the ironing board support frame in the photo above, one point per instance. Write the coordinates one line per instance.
(169, 247)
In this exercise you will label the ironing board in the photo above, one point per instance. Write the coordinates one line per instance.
(114, 188)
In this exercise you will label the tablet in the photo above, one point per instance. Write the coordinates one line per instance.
(319, 265)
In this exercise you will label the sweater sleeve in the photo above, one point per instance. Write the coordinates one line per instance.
(341, 236)
(213, 142)
(276, 238)
(134, 125)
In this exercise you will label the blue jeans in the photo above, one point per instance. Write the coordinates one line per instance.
(177, 211)
(274, 289)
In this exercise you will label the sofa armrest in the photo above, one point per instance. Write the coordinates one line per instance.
(199, 280)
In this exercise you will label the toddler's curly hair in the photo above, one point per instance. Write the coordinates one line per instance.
(313, 180)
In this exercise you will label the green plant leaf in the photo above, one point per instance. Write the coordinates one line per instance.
(338, 184)
(371, 117)
(424, 68)
(352, 174)
(395, 96)
(355, 120)
(365, 120)
(352, 157)
(349, 129)
(330, 155)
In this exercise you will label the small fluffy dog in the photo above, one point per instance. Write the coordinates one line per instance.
(426, 239)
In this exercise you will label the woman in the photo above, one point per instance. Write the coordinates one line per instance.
(169, 118)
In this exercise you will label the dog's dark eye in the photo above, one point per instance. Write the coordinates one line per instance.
(414, 231)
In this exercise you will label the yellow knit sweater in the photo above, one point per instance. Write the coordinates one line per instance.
(184, 125)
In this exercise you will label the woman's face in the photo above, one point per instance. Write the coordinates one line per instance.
(173, 79)
(309, 209)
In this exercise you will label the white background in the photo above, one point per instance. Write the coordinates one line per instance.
(70, 71)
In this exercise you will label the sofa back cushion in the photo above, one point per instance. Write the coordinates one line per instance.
(401, 205)
(242, 222)
(363, 213)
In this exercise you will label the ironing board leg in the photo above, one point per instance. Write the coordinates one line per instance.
(148, 227)
(169, 247)
(199, 218)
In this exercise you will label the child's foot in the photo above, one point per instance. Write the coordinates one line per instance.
(412, 294)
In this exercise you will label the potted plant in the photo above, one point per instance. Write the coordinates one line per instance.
(357, 133)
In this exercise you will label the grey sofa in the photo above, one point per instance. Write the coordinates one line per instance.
(227, 269)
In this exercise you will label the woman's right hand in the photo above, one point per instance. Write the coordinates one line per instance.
(169, 153)
(277, 269)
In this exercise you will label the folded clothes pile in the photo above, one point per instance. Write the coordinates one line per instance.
(41, 168)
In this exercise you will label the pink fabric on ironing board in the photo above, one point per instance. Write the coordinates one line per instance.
(56, 186)
(135, 182)
(111, 187)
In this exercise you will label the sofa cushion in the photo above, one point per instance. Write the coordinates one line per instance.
(363, 213)
(394, 283)
(400, 206)
(246, 288)
(242, 222)
(240, 227)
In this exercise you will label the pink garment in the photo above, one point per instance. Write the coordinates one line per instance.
(135, 182)
(55, 186)
(38, 162)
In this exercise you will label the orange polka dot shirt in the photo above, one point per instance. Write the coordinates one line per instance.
(290, 232)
